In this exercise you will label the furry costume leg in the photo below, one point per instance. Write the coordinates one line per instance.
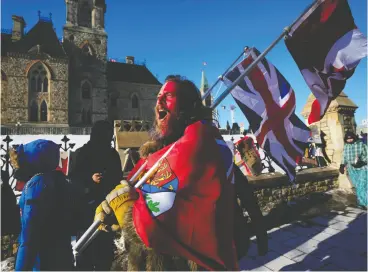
(133, 255)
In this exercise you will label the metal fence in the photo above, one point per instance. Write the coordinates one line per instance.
(67, 144)
(123, 60)
(19, 130)
(6, 167)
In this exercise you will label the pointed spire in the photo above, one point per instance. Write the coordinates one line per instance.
(204, 88)
(204, 83)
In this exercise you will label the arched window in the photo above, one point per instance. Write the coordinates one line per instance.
(43, 111)
(113, 101)
(33, 113)
(86, 90)
(135, 102)
(89, 117)
(83, 116)
(38, 79)
(33, 84)
(39, 84)
(84, 14)
(45, 86)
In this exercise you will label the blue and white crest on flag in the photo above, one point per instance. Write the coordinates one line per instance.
(160, 191)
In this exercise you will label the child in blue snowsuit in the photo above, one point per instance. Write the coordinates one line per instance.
(46, 209)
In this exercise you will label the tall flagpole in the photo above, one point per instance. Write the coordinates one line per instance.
(257, 60)
(247, 70)
(208, 92)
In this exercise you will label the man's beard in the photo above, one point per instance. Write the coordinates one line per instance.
(175, 127)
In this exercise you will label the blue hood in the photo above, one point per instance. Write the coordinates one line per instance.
(39, 156)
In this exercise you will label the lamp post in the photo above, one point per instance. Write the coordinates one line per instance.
(18, 125)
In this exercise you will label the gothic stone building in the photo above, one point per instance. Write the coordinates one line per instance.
(70, 83)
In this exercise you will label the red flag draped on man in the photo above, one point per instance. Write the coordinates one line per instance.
(185, 209)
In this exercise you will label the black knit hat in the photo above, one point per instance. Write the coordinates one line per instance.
(350, 135)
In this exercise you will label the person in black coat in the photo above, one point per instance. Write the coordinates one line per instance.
(10, 214)
(96, 171)
(242, 230)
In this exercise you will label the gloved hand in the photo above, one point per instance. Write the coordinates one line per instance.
(342, 168)
(112, 210)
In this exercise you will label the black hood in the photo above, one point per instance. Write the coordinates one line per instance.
(349, 135)
(101, 134)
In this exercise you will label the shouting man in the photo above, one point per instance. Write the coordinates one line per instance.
(182, 217)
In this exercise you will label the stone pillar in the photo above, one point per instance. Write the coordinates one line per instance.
(71, 12)
(338, 119)
(97, 17)
(18, 28)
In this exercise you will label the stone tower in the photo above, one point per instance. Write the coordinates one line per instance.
(85, 42)
(338, 119)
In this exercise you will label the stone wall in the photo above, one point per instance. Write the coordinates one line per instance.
(97, 104)
(332, 128)
(276, 187)
(87, 67)
(15, 97)
(81, 36)
(123, 92)
(338, 119)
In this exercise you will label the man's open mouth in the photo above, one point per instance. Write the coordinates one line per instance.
(162, 114)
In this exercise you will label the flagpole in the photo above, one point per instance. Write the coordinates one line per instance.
(257, 60)
(208, 92)
(247, 70)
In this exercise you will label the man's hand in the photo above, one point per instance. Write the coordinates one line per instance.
(117, 203)
(105, 214)
(97, 177)
(342, 168)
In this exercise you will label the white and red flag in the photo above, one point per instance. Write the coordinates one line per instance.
(327, 46)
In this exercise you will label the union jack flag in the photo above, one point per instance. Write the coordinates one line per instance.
(268, 102)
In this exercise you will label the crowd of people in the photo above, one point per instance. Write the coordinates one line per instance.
(189, 215)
